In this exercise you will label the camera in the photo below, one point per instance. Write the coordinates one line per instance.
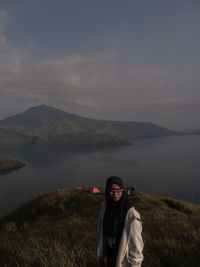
(129, 190)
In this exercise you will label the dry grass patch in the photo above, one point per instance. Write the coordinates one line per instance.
(59, 229)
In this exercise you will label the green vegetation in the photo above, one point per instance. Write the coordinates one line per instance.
(12, 137)
(7, 164)
(44, 124)
(81, 139)
(59, 229)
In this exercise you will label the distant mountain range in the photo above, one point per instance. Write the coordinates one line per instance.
(192, 132)
(48, 125)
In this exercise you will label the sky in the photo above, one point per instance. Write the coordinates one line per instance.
(130, 60)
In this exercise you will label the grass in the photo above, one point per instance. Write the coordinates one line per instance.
(7, 164)
(59, 229)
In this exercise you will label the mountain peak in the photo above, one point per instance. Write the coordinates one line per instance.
(45, 120)
(36, 115)
(39, 106)
(42, 108)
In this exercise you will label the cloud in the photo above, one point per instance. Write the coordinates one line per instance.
(76, 79)
(100, 85)
(90, 84)
(85, 103)
(11, 60)
(176, 101)
(4, 19)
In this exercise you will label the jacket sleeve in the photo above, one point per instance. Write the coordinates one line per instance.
(100, 237)
(131, 244)
(135, 244)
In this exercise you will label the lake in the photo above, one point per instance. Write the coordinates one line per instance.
(168, 166)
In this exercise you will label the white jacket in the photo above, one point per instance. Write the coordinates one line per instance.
(131, 244)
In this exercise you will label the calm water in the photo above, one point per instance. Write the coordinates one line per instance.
(168, 166)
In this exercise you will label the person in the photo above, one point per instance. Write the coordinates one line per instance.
(119, 240)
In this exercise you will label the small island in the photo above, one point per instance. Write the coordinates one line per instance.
(7, 164)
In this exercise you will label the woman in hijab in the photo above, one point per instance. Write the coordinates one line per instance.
(119, 230)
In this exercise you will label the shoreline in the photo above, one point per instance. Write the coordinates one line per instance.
(7, 164)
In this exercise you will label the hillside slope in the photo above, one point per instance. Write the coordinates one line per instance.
(59, 229)
(8, 164)
(81, 139)
(44, 120)
(13, 137)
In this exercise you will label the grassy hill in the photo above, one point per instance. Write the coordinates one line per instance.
(43, 121)
(7, 164)
(84, 138)
(13, 137)
(59, 229)
(9, 137)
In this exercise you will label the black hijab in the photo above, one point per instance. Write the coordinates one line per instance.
(114, 217)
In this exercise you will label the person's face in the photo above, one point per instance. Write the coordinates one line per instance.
(115, 192)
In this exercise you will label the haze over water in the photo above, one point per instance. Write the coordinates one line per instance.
(167, 166)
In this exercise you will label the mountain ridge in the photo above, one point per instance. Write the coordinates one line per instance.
(42, 121)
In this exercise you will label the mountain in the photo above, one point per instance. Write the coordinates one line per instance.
(13, 137)
(45, 121)
(83, 139)
(193, 132)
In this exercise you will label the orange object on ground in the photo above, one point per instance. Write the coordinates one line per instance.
(95, 190)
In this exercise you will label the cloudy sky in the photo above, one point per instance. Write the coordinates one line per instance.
(135, 60)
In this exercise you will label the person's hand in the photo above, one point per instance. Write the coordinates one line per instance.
(102, 262)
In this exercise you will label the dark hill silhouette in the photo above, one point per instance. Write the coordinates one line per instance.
(13, 137)
(43, 121)
(8, 164)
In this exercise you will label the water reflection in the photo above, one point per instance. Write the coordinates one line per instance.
(166, 166)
